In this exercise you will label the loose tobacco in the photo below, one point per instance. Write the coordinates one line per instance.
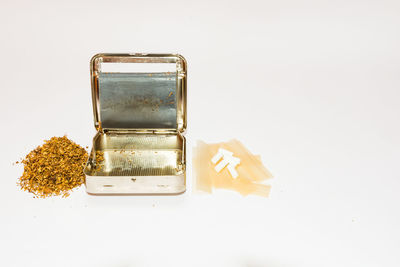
(99, 160)
(54, 169)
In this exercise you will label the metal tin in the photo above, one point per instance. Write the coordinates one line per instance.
(140, 118)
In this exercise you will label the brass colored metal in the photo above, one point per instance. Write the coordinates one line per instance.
(140, 118)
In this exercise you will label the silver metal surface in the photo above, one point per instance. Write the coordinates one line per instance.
(138, 100)
(134, 86)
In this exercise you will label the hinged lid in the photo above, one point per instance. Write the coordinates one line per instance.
(139, 92)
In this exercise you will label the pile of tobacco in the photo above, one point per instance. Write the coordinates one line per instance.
(54, 169)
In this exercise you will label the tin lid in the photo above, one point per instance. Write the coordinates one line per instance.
(136, 92)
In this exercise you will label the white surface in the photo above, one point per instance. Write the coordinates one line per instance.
(315, 88)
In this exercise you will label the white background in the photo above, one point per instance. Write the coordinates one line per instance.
(312, 86)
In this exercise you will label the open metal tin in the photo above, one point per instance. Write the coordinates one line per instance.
(139, 106)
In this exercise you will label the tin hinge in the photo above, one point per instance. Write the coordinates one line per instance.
(155, 131)
(140, 131)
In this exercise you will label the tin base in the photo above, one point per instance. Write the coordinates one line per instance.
(133, 163)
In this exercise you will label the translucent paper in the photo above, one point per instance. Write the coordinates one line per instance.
(251, 170)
